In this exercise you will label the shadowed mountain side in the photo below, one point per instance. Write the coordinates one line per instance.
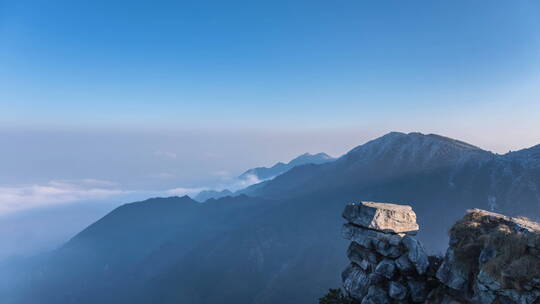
(177, 250)
(266, 259)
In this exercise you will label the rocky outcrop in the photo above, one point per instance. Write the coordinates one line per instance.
(388, 265)
(491, 259)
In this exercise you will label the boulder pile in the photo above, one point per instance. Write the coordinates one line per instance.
(388, 264)
(491, 259)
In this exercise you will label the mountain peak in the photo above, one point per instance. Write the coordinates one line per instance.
(416, 138)
(415, 148)
(308, 158)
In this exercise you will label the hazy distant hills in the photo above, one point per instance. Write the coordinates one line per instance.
(281, 242)
(256, 175)
(208, 194)
(264, 173)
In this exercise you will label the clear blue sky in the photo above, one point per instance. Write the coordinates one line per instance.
(297, 63)
(163, 94)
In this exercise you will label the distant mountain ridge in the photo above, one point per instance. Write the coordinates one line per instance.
(279, 242)
(215, 194)
(256, 175)
(392, 155)
(264, 173)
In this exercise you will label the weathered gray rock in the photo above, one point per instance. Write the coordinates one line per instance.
(386, 268)
(416, 254)
(452, 273)
(355, 281)
(404, 265)
(365, 265)
(393, 267)
(488, 289)
(368, 238)
(485, 297)
(444, 299)
(357, 254)
(384, 217)
(386, 249)
(485, 282)
(521, 297)
(418, 290)
(375, 278)
(397, 291)
(486, 254)
(376, 295)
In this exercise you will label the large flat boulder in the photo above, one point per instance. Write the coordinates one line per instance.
(388, 218)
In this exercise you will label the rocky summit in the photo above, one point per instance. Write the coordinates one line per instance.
(491, 259)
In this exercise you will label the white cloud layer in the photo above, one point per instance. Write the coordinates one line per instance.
(180, 191)
(24, 197)
(17, 198)
(248, 180)
(232, 184)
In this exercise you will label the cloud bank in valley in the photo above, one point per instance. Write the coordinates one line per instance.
(19, 198)
(14, 199)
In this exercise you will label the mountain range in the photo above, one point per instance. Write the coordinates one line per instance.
(205, 195)
(258, 174)
(264, 173)
(277, 241)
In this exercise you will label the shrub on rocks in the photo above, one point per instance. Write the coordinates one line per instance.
(335, 296)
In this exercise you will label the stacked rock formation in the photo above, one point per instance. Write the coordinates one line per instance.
(388, 265)
(491, 259)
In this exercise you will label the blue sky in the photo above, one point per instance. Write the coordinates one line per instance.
(110, 90)
(297, 63)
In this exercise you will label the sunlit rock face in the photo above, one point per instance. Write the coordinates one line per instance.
(390, 218)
